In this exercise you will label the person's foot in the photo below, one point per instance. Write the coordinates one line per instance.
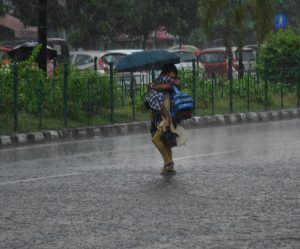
(168, 169)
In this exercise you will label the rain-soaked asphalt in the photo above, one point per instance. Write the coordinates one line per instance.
(237, 187)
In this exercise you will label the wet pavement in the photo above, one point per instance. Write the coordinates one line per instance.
(237, 187)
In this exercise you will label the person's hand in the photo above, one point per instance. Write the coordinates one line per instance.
(150, 86)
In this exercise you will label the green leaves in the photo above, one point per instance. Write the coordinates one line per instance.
(279, 57)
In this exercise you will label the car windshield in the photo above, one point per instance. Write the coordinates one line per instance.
(248, 55)
(212, 57)
(82, 59)
(114, 58)
(185, 56)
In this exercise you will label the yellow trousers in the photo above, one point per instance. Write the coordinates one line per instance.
(157, 140)
(164, 150)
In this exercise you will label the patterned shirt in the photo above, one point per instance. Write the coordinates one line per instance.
(156, 98)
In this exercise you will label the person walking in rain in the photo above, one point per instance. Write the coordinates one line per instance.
(164, 133)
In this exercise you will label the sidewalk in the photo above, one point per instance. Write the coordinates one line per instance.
(142, 127)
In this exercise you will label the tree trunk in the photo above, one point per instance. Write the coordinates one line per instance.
(180, 41)
(241, 65)
(144, 42)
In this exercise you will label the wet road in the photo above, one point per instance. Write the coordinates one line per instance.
(237, 187)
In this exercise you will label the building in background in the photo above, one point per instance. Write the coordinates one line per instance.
(11, 28)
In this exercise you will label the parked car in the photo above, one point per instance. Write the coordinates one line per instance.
(113, 56)
(214, 60)
(186, 59)
(184, 47)
(254, 47)
(61, 46)
(249, 59)
(84, 60)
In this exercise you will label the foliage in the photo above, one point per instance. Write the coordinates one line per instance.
(88, 22)
(2, 8)
(179, 17)
(280, 56)
(87, 92)
(27, 12)
(263, 13)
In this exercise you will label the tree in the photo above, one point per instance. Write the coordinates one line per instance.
(27, 11)
(91, 20)
(2, 8)
(232, 20)
(263, 13)
(179, 17)
(144, 18)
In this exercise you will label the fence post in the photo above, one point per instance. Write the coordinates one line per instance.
(256, 68)
(298, 85)
(53, 86)
(111, 80)
(266, 95)
(281, 95)
(1, 95)
(16, 82)
(222, 82)
(95, 63)
(248, 91)
(194, 83)
(65, 93)
(298, 93)
(153, 75)
(123, 90)
(88, 102)
(230, 84)
(40, 103)
(132, 96)
(213, 92)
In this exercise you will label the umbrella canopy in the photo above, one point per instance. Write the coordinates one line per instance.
(22, 52)
(146, 60)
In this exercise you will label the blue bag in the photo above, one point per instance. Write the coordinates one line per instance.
(182, 105)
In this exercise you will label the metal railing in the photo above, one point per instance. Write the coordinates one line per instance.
(70, 99)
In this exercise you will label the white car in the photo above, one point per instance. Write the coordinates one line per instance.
(186, 59)
(85, 60)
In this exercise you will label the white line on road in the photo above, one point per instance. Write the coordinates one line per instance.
(207, 154)
(39, 178)
(79, 173)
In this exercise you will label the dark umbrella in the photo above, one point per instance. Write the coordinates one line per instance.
(22, 52)
(146, 60)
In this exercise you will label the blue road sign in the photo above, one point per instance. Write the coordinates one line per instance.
(281, 21)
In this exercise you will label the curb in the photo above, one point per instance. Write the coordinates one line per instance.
(142, 127)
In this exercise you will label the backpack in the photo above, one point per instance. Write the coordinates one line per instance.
(182, 105)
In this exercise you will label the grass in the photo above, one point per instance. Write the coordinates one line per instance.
(30, 122)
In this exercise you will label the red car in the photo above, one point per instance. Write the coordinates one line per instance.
(214, 60)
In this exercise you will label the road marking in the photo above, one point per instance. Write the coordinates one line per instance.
(59, 142)
(207, 154)
(38, 179)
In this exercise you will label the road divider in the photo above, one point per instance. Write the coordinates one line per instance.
(49, 136)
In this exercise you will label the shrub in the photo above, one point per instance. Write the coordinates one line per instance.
(279, 57)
